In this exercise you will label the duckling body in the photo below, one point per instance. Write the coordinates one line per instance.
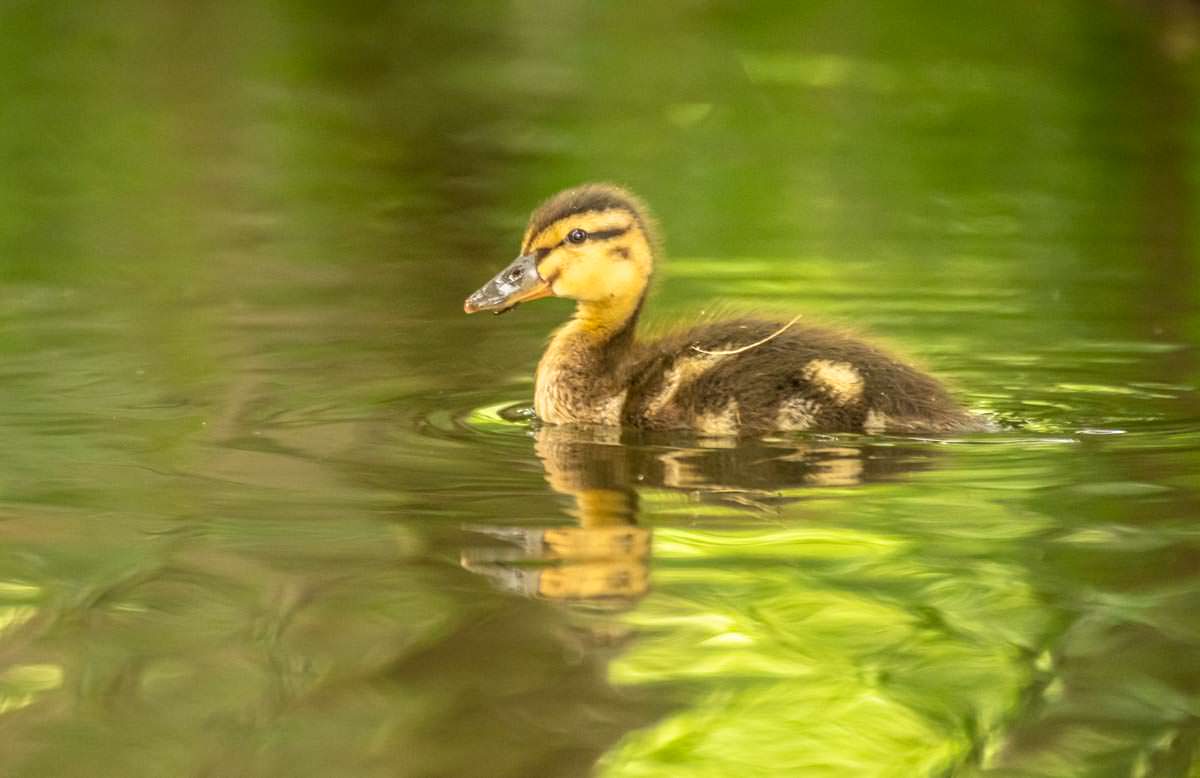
(595, 244)
(803, 378)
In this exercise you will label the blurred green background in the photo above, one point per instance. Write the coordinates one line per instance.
(271, 505)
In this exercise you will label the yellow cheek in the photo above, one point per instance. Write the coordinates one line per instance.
(568, 273)
(595, 280)
(550, 267)
(621, 279)
(588, 280)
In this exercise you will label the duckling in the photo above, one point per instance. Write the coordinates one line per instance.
(596, 244)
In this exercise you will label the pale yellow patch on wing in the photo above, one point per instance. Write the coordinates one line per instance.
(682, 372)
(840, 380)
(876, 421)
(795, 414)
(723, 421)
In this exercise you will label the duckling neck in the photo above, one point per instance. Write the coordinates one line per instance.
(582, 376)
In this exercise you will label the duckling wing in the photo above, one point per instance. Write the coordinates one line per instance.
(754, 375)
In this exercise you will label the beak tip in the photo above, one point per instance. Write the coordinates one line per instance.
(513, 285)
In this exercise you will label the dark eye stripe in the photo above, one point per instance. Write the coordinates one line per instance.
(606, 234)
(601, 235)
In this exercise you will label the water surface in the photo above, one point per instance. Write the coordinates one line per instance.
(270, 505)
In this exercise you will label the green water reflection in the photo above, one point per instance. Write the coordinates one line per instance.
(266, 507)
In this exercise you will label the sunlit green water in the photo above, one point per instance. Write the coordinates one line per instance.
(270, 505)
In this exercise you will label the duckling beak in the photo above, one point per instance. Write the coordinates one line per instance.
(515, 284)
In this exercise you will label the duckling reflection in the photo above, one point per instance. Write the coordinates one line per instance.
(594, 561)
(606, 555)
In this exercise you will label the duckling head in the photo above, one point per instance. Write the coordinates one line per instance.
(593, 244)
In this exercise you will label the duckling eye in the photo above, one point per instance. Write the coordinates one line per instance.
(577, 236)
